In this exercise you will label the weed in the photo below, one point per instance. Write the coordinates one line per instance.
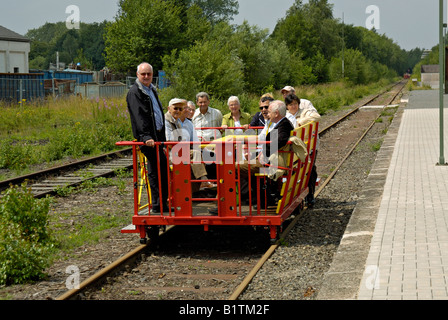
(64, 191)
(376, 146)
(24, 240)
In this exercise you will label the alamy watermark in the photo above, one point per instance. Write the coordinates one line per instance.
(74, 19)
(373, 20)
(372, 277)
(73, 280)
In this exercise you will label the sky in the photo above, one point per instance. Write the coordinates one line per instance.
(410, 23)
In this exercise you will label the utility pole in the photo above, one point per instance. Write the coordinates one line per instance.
(343, 46)
(441, 81)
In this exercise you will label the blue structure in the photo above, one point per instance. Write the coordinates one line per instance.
(163, 81)
(17, 87)
(68, 74)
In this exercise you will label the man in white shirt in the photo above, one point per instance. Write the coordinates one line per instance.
(206, 117)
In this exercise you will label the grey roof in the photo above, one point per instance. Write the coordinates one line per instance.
(6, 34)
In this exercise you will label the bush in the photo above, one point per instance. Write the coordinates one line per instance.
(14, 155)
(24, 242)
(207, 67)
(74, 142)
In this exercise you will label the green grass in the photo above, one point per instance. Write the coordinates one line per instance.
(36, 133)
(91, 228)
(90, 232)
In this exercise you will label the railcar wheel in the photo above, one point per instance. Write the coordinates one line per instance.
(274, 232)
(153, 233)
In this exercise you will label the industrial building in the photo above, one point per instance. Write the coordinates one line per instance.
(14, 52)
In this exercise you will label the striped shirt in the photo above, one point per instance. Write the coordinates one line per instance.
(212, 118)
(158, 115)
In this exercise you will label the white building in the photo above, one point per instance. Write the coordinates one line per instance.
(14, 52)
(430, 75)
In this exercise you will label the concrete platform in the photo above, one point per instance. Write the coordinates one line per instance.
(396, 244)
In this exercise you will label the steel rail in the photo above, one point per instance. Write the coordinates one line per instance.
(274, 247)
(102, 273)
(325, 130)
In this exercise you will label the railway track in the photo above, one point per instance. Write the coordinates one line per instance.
(220, 263)
(47, 182)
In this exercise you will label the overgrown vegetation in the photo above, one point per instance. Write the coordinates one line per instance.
(25, 243)
(31, 237)
(34, 133)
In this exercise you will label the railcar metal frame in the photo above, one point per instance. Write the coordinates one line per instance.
(231, 212)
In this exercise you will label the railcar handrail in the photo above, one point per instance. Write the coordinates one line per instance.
(230, 128)
(173, 143)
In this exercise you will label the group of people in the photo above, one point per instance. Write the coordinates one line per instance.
(185, 122)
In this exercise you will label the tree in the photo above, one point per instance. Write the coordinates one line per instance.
(53, 37)
(206, 66)
(311, 31)
(196, 26)
(356, 68)
(248, 43)
(48, 33)
(143, 30)
(91, 41)
(218, 10)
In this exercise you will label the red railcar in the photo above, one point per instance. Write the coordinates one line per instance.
(289, 176)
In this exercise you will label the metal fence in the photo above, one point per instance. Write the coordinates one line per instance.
(21, 87)
(106, 90)
(16, 88)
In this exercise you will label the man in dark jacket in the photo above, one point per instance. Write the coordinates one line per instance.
(260, 118)
(280, 133)
(148, 126)
(278, 136)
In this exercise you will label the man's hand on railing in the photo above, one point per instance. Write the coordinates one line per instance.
(150, 143)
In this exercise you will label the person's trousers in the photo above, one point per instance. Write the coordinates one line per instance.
(151, 155)
(312, 181)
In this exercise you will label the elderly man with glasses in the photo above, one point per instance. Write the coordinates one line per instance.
(179, 128)
(148, 126)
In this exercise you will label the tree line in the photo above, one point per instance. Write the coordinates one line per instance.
(85, 45)
(197, 45)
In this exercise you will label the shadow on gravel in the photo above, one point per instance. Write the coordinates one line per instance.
(219, 240)
(324, 224)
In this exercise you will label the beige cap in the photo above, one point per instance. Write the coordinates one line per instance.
(177, 101)
(289, 88)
